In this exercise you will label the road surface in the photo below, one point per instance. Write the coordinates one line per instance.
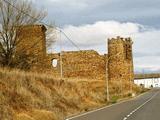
(144, 107)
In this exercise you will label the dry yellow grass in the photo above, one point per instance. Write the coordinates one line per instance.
(23, 92)
(33, 96)
(36, 115)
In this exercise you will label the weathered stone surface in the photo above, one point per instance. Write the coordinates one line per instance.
(120, 61)
(32, 42)
(87, 63)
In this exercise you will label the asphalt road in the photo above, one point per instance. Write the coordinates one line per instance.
(144, 107)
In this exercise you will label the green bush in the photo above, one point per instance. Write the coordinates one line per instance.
(114, 99)
(129, 94)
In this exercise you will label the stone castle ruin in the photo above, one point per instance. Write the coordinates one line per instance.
(117, 64)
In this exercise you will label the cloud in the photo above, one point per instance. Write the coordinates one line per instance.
(78, 12)
(94, 36)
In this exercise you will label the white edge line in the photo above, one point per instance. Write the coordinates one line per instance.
(135, 110)
(82, 114)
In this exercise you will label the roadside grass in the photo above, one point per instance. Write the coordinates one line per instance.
(37, 96)
(114, 99)
(23, 93)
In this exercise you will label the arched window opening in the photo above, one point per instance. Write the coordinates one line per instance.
(54, 63)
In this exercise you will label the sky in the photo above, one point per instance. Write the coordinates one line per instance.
(89, 23)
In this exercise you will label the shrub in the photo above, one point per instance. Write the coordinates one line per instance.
(114, 99)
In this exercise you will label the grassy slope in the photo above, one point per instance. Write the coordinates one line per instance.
(32, 96)
(36, 97)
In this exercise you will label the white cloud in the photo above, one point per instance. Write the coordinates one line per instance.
(90, 36)
(147, 43)
(94, 36)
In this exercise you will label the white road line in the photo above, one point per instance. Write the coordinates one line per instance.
(74, 116)
(127, 116)
(95, 110)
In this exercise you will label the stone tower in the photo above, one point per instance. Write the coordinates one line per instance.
(32, 41)
(120, 62)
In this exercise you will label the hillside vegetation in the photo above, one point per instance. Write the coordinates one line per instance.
(33, 96)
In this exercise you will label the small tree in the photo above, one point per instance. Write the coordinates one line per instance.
(15, 13)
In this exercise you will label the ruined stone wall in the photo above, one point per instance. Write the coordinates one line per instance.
(32, 42)
(48, 64)
(120, 61)
(129, 59)
(86, 64)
